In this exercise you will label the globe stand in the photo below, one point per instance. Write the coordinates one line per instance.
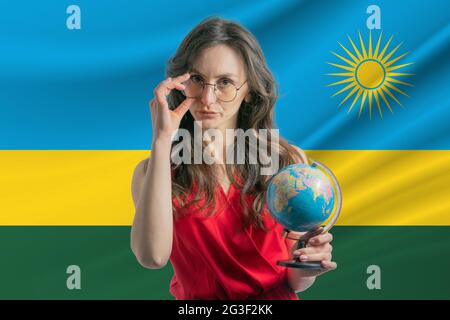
(296, 262)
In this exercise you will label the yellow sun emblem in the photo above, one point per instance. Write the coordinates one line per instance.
(370, 74)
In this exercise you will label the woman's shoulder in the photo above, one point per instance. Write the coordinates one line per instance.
(142, 166)
(140, 171)
(138, 177)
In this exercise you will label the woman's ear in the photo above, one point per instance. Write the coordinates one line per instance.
(248, 97)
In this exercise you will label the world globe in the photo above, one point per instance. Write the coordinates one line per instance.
(301, 197)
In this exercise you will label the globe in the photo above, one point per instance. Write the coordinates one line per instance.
(301, 197)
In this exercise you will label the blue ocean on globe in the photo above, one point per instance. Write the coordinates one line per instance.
(300, 197)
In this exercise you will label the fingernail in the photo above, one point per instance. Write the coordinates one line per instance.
(303, 258)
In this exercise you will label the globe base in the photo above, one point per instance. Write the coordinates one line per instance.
(294, 263)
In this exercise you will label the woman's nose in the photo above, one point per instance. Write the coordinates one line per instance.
(208, 95)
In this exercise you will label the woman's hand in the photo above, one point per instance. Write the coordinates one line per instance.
(164, 120)
(318, 248)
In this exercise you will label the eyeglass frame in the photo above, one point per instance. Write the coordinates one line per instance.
(215, 88)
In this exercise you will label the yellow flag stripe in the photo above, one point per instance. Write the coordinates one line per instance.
(93, 187)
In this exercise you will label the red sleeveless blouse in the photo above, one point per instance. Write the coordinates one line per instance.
(214, 258)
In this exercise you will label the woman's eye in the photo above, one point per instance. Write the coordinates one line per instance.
(225, 82)
(197, 79)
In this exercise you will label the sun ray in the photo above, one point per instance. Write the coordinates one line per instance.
(398, 81)
(396, 89)
(384, 49)
(398, 74)
(349, 95)
(341, 82)
(349, 53)
(341, 74)
(399, 66)
(370, 103)
(384, 99)
(351, 85)
(362, 102)
(356, 99)
(370, 44)
(383, 61)
(391, 95)
(388, 63)
(378, 46)
(375, 94)
(362, 46)
(355, 48)
(341, 66)
(344, 59)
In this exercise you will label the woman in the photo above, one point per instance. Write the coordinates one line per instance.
(210, 220)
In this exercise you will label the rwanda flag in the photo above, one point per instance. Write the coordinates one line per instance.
(362, 89)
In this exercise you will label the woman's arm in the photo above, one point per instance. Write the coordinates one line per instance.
(151, 233)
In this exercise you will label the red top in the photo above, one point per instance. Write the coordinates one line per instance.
(213, 258)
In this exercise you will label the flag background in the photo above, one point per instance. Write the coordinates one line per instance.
(74, 122)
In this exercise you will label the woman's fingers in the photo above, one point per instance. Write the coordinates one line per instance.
(160, 97)
(171, 83)
(184, 107)
(316, 256)
(310, 250)
(329, 265)
(166, 86)
(321, 239)
(174, 85)
(182, 77)
(318, 249)
(165, 120)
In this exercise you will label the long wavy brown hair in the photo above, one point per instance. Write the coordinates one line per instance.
(256, 114)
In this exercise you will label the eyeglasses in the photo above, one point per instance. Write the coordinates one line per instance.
(224, 90)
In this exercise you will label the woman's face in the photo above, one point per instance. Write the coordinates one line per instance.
(218, 64)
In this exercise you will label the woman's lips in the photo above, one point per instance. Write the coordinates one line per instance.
(208, 114)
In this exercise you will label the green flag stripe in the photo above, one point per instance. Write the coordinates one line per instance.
(414, 264)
